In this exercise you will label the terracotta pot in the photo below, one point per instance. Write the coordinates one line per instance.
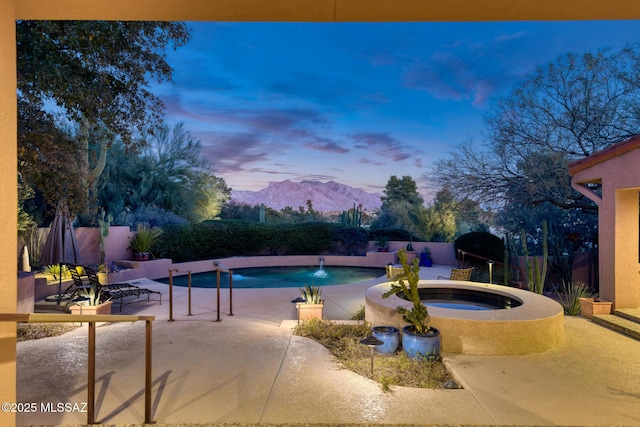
(593, 306)
(103, 308)
(310, 311)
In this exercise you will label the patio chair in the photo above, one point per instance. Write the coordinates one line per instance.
(459, 274)
(112, 291)
(78, 290)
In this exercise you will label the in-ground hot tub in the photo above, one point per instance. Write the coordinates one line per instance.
(477, 318)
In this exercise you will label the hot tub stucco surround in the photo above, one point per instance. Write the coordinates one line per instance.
(535, 326)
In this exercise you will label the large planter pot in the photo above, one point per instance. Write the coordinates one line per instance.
(141, 256)
(103, 308)
(425, 260)
(107, 278)
(593, 306)
(389, 335)
(310, 311)
(421, 345)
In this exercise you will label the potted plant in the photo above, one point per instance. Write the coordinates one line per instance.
(419, 340)
(389, 335)
(383, 244)
(410, 245)
(313, 305)
(143, 240)
(425, 258)
(90, 301)
(109, 273)
(590, 307)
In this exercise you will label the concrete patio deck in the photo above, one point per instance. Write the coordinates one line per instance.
(249, 369)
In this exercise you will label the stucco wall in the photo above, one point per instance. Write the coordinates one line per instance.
(618, 228)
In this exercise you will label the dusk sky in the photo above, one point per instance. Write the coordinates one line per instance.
(355, 103)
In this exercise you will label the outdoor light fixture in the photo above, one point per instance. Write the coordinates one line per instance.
(490, 271)
(371, 342)
(297, 301)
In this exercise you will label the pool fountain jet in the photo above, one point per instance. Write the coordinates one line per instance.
(321, 274)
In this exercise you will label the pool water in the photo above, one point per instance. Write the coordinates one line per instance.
(280, 277)
(464, 299)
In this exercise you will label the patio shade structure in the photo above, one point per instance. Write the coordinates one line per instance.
(61, 245)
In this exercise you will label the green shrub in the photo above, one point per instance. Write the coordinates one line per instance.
(481, 243)
(218, 239)
(390, 234)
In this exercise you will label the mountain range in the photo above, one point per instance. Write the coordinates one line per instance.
(327, 196)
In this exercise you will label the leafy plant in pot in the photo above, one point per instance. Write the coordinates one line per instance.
(143, 240)
(313, 304)
(383, 244)
(419, 340)
(425, 258)
(91, 301)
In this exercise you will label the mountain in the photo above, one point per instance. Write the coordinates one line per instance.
(326, 196)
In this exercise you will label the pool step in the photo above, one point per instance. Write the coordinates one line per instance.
(625, 321)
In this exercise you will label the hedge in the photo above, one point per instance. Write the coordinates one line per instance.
(219, 239)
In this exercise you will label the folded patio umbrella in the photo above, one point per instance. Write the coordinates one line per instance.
(61, 245)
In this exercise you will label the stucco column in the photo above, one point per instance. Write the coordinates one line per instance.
(626, 252)
(9, 205)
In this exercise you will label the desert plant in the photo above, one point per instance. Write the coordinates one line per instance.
(311, 294)
(410, 244)
(144, 238)
(418, 316)
(536, 274)
(359, 314)
(55, 270)
(382, 242)
(570, 294)
(34, 242)
(91, 296)
(104, 222)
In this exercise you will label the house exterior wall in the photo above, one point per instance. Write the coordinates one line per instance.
(9, 206)
(618, 228)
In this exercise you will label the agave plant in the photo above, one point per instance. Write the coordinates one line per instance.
(570, 294)
(311, 294)
(55, 270)
(144, 238)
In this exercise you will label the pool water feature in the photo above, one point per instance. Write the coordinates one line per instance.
(281, 277)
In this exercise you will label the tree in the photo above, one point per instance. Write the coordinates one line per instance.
(447, 218)
(94, 74)
(167, 174)
(565, 111)
(402, 207)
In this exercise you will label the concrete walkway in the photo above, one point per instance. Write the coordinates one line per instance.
(249, 369)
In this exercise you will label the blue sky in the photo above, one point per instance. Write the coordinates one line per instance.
(355, 103)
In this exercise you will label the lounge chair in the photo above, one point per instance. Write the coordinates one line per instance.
(459, 274)
(112, 291)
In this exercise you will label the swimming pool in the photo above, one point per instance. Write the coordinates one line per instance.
(281, 277)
